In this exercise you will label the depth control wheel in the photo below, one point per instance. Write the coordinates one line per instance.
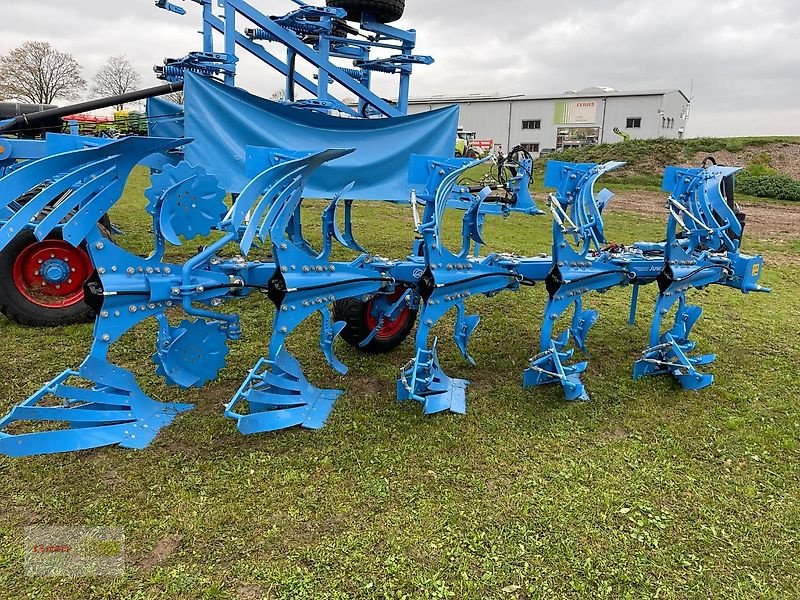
(362, 317)
(42, 282)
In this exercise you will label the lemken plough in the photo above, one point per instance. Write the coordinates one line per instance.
(103, 405)
(234, 169)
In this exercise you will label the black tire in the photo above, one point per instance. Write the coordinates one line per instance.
(354, 313)
(384, 11)
(21, 309)
(14, 304)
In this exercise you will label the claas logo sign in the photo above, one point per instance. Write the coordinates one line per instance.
(576, 112)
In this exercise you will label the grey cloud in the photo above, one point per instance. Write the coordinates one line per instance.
(744, 57)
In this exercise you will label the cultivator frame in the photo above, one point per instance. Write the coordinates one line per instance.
(314, 34)
(101, 404)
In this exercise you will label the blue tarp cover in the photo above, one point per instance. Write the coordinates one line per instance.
(164, 118)
(223, 121)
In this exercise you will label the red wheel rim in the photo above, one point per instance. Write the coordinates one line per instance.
(390, 327)
(51, 273)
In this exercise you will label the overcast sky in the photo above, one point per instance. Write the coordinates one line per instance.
(744, 55)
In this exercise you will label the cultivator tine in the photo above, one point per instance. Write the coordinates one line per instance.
(114, 411)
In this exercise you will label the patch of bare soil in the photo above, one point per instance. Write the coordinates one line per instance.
(617, 434)
(784, 158)
(249, 591)
(165, 548)
(367, 386)
(765, 221)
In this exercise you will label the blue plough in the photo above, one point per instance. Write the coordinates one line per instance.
(100, 404)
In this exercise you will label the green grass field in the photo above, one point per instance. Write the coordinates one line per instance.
(645, 492)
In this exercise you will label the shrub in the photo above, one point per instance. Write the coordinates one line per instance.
(776, 186)
(761, 165)
(647, 158)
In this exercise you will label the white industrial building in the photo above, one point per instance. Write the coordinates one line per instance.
(590, 116)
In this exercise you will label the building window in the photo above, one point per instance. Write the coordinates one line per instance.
(633, 123)
(532, 124)
(530, 146)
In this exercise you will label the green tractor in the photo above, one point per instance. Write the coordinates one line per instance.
(464, 144)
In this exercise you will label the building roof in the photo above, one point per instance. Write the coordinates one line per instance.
(593, 92)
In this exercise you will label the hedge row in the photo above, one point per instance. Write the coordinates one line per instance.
(780, 187)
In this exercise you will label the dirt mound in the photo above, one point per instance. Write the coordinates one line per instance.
(646, 159)
(783, 157)
(765, 221)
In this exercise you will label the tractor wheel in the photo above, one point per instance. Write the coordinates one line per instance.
(360, 322)
(384, 11)
(51, 295)
(41, 283)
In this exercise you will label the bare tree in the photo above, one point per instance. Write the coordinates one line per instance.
(36, 72)
(279, 95)
(117, 76)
